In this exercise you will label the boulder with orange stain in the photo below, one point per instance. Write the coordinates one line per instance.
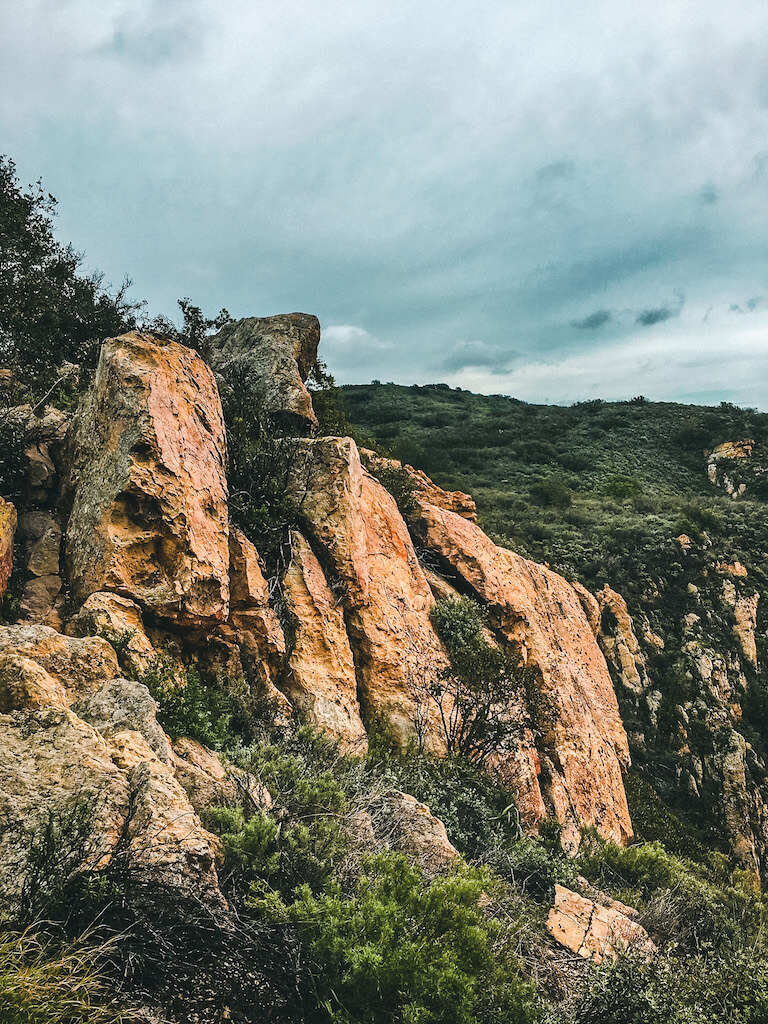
(148, 483)
(367, 549)
(320, 677)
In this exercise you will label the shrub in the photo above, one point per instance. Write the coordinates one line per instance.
(397, 948)
(189, 707)
(475, 695)
(551, 491)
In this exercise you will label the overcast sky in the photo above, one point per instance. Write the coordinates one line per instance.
(542, 198)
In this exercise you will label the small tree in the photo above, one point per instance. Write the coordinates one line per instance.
(49, 312)
(480, 698)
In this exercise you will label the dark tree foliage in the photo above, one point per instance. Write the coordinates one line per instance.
(475, 694)
(50, 312)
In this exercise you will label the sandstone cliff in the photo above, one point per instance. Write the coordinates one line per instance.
(140, 554)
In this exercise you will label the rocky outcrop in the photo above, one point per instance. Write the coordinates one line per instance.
(148, 484)
(120, 621)
(735, 468)
(619, 642)
(593, 931)
(7, 533)
(74, 735)
(581, 742)
(367, 552)
(320, 676)
(275, 354)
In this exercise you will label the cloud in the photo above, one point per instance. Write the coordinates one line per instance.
(478, 353)
(649, 317)
(595, 320)
(439, 173)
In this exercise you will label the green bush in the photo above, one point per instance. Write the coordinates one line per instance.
(473, 697)
(399, 949)
(551, 492)
(188, 706)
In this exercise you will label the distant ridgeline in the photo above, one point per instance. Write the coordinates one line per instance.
(659, 505)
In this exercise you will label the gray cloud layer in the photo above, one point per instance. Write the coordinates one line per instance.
(512, 197)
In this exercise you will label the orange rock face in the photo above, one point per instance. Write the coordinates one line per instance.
(357, 525)
(581, 742)
(320, 677)
(7, 531)
(147, 472)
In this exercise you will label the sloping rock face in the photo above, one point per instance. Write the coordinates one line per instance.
(277, 354)
(7, 531)
(148, 483)
(361, 537)
(401, 822)
(73, 732)
(581, 744)
(320, 678)
(452, 501)
(593, 931)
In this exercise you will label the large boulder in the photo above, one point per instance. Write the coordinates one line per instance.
(276, 353)
(148, 483)
(7, 532)
(581, 743)
(355, 526)
(320, 675)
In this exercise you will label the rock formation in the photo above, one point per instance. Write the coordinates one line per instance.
(581, 745)
(276, 354)
(148, 484)
(594, 931)
(7, 532)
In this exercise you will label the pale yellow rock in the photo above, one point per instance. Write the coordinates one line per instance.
(619, 642)
(401, 822)
(246, 580)
(81, 666)
(147, 470)
(320, 677)
(593, 931)
(24, 685)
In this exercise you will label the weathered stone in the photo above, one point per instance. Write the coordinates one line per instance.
(582, 743)
(593, 931)
(320, 676)
(619, 643)
(744, 608)
(41, 534)
(48, 760)
(207, 782)
(247, 585)
(400, 822)
(590, 605)
(149, 508)
(81, 666)
(38, 601)
(279, 353)
(7, 533)
(25, 686)
(124, 705)
(116, 619)
(41, 472)
(354, 522)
